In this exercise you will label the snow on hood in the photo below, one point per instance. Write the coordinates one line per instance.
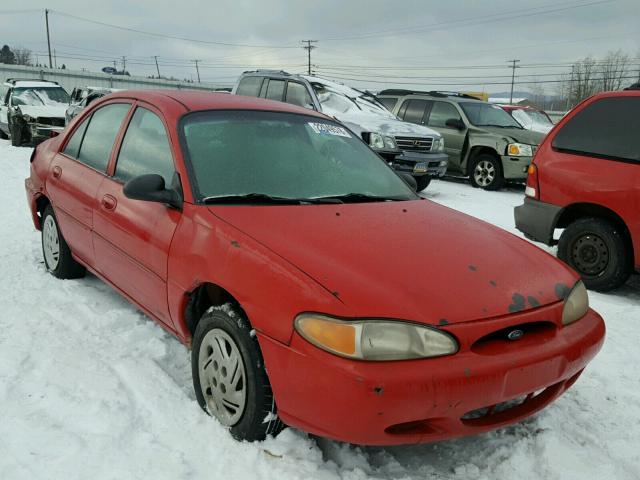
(415, 260)
(53, 111)
(361, 112)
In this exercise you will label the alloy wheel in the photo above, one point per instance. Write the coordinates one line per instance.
(485, 173)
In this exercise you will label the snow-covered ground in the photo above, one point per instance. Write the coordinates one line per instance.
(92, 389)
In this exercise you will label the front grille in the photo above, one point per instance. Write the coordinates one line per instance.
(52, 121)
(415, 144)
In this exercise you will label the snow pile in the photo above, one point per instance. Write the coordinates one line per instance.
(92, 389)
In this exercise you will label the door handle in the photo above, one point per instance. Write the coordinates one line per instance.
(109, 202)
(57, 172)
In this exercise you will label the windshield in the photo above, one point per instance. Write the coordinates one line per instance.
(39, 96)
(335, 101)
(486, 115)
(291, 156)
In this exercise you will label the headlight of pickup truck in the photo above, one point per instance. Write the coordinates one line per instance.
(519, 150)
(378, 141)
(375, 340)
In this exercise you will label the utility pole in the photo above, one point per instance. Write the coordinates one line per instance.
(124, 64)
(55, 59)
(197, 71)
(308, 47)
(513, 77)
(46, 19)
(157, 67)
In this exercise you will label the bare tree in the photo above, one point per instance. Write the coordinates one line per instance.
(23, 56)
(615, 69)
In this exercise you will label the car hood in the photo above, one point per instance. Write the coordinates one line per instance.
(51, 111)
(413, 260)
(359, 122)
(519, 135)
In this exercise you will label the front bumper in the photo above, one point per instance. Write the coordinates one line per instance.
(515, 168)
(537, 220)
(42, 131)
(416, 401)
(419, 164)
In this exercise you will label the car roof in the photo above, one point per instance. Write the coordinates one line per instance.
(453, 96)
(193, 100)
(31, 83)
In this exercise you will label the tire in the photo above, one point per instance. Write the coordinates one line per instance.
(225, 353)
(486, 172)
(3, 136)
(16, 135)
(598, 251)
(55, 251)
(422, 182)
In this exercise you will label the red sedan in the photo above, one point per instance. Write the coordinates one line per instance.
(314, 287)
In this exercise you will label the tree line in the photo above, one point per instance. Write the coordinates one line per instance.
(20, 56)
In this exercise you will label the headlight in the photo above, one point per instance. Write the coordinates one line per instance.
(438, 145)
(390, 143)
(376, 141)
(27, 118)
(374, 339)
(519, 150)
(576, 305)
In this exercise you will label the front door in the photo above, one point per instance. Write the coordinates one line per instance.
(454, 138)
(132, 237)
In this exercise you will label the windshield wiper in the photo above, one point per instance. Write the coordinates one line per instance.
(265, 199)
(360, 197)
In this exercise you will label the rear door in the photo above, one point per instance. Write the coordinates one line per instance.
(415, 110)
(439, 114)
(132, 237)
(76, 172)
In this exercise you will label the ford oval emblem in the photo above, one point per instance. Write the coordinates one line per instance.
(515, 334)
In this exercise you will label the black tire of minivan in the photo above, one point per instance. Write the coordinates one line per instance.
(598, 250)
(422, 182)
(498, 179)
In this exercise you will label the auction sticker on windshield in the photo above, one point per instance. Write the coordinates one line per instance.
(326, 129)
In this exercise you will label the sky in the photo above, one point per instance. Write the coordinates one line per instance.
(443, 45)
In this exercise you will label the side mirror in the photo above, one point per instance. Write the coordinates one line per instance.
(409, 180)
(455, 123)
(151, 188)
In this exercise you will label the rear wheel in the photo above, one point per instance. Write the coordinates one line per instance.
(229, 377)
(422, 182)
(56, 252)
(598, 251)
(486, 172)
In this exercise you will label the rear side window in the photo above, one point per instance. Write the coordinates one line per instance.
(389, 103)
(100, 135)
(73, 145)
(249, 86)
(441, 112)
(607, 128)
(414, 111)
(297, 94)
(275, 90)
(145, 148)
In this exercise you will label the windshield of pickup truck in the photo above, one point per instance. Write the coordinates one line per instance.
(256, 156)
(39, 96)
(486, 115)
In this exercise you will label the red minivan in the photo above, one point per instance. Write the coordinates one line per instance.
(585, 179)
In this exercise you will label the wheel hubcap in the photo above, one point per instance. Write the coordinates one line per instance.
(484, 173)
(222, 377)
(50, 243)
(590, 254)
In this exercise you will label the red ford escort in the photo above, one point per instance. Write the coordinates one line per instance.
(314, 287)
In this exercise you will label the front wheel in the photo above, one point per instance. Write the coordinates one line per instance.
(486, 172)
(16, 135)
(422, 182)
(597, 250)
(229, 377)
(56, 252)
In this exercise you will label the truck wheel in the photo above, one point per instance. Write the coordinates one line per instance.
(486, 172)
(597, 250)
(16, 135)
(422, 182)
(56, 252)
(229, 377)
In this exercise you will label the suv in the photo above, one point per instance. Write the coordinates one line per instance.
(30, 110)
(585, 179)
(418, 151)
(483, 141)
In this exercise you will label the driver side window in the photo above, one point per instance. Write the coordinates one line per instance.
(441, 112)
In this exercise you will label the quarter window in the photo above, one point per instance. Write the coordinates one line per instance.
(145, 149)
(414, 111)
(606, 128)
(73, 145)
(249, 86)
(441, 112)
(100, 136)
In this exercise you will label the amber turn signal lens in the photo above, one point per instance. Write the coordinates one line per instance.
(337, 337)
(532, 169)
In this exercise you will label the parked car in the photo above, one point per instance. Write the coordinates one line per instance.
(30, 110)
(83, 96)
(530, 118)
(278, 246)
(483, 141)
(418, 151)
(585, 180)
